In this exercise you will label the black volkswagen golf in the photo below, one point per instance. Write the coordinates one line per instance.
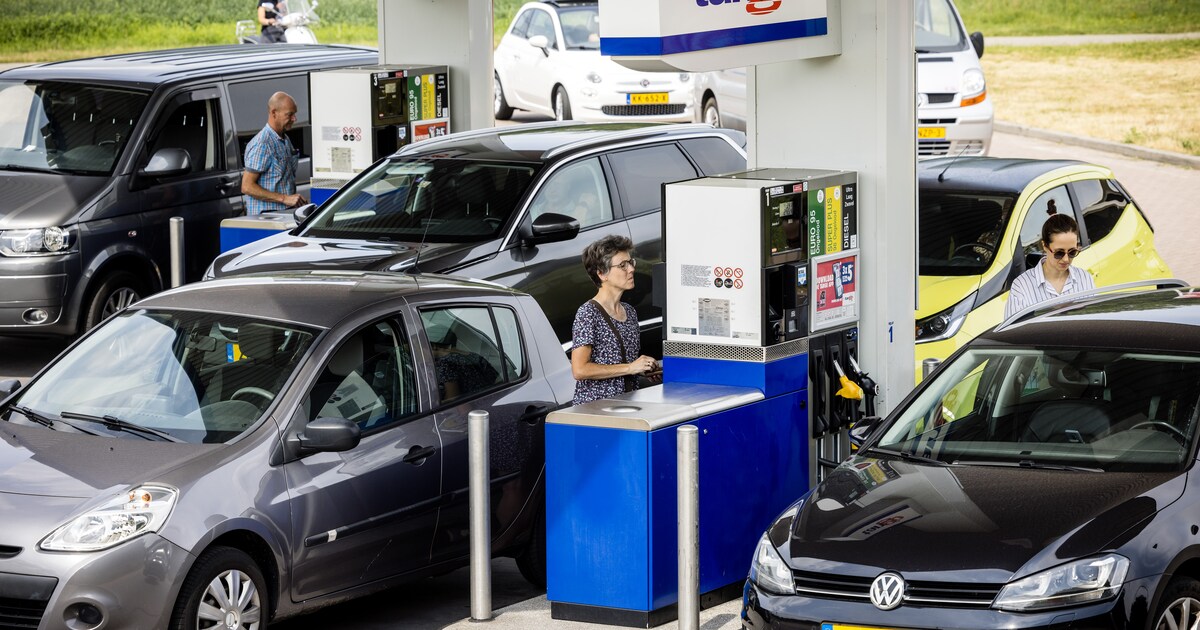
(1043, 477)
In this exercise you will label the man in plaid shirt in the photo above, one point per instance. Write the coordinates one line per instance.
(269, 181)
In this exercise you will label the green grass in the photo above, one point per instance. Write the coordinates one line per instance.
(1079, 17)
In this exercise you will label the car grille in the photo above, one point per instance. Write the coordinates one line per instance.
(929, 148)
(8, 551)
(32, 594)
(643, 110)
(936, 121)
(938, 594)
(20, 614)
(938, 98)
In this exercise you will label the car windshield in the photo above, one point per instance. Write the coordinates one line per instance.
(197, 377)
(1055, 407)
(440, 200)
(581, 27)
(960, 231)
(938, 29)
(63, 127)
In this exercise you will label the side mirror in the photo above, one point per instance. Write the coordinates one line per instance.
(862, 429)
(977, 42)
(329, 435)
(551, 228)
(541, 42)
(167, 163)
(302, 213)
(8, 386)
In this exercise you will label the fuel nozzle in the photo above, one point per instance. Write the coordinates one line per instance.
(850, 390)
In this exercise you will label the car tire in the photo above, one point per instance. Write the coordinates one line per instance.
(562, 104)
(1183, 593)
(118, 290)
(532, 561)
(220, 568)
(711, 114)
(500, 107)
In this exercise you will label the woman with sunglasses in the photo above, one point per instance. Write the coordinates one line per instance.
(1055, 275)
(606, 354)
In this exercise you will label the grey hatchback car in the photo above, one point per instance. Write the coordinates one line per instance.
(234, 452)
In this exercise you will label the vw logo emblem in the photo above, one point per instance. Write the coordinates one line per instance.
(887, 591)
(645, 83)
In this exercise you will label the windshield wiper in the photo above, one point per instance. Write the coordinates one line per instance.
(116, 424)
(908, 457)
(28, 169)
(1026, 463)
(33, 416)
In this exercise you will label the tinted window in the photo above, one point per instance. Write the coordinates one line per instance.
(510, 341)
(1050, 202)
(1102, 205)
(521, 25)
(541, 24)
(466, 351)
(714, 155)
(959, 232)
(640, 174)
(191, 126)
(577, 190)
(248, 100)
(437, 201)
(369, 380)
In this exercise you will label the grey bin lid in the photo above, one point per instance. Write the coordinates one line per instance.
(656, 407)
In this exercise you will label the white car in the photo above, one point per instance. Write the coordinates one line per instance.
(549, 62)
(954, 115)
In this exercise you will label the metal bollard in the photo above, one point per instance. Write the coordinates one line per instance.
(176, 251)
(928, 366)
(687, 452)
(481, 523)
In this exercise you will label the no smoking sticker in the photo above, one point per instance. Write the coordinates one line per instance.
(737, 284)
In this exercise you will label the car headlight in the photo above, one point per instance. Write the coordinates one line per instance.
(40, 241)
(945, 324)
(1079, 582)
(140, 510)
(769, 571)
(974, 88)
(594, 77)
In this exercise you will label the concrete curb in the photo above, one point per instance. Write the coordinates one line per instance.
(1166, 157)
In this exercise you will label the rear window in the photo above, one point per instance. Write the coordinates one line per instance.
(959, 233)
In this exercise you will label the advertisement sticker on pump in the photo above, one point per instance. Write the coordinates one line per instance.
(835, 285)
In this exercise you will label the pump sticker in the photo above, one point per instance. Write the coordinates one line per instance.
(694, 275)
(714, 317)
(835, 288)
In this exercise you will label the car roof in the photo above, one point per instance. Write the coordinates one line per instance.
(985, 174)
(1165, 320)
(316, 298)
(549, 141)
(170, 66)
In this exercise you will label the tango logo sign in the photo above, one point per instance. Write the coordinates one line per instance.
(753, 7)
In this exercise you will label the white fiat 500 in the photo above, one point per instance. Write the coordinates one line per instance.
(549, 62)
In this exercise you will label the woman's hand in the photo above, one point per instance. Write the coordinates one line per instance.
(641, 365)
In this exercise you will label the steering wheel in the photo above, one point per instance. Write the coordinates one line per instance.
(970, 247)
(1167, 428)
(251, 392)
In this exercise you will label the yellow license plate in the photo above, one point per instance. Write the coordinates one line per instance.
(653, 98)
(839, 626)
(931, 132)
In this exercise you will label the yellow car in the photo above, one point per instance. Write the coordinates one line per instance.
(980, 225)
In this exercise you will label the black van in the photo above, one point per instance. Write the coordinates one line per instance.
(96, 156)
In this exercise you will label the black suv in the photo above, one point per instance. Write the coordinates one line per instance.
(1041, 478)
(96, 156)
(514, 205)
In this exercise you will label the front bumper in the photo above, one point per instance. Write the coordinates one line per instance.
(37, 283)
(133, 585)
(967, 130)
(763, 611)
(604, 105)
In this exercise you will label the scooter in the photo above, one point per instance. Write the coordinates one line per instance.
(294, 16)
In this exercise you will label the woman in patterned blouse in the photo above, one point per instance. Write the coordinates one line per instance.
(606, 354)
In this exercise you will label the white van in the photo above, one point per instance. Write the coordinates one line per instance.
(954, 115)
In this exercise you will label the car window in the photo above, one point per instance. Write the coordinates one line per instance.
(466, 351)
(521, 24)
(715, 156)
(369, 380)
(581, 27)
(577, 190)
(1102, 203)
(937, 28)
(510, 342)
(191, 125)
(959, 232)
(248, 99)
(541, 24)
(1050, 202)
(640, 174)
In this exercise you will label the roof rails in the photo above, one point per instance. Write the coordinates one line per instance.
(1030, 311)
(612, 136)
(457, 136)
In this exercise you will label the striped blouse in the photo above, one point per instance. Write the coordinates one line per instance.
(1032, 287)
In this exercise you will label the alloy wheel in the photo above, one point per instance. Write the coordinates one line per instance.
(119, 299)
(1182, 614)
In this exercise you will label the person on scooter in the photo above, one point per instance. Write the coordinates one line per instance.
(269, 12)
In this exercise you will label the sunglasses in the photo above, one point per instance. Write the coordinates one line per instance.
(1069, 253)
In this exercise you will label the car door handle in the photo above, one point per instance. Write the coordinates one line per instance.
(226, 186)
(419, 454)
(534, 413)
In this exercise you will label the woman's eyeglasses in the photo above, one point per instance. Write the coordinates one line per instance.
(626, 265)
(1069, 253)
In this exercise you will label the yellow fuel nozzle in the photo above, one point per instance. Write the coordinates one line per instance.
(850, 390)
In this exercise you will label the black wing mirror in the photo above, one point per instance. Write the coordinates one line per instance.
(552, 228)
(8, 386)
(977, 42)
(302, 213)
(329, 435)
(862, 429)
(167, 163)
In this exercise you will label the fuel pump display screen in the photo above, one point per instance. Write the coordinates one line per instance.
(785, 232)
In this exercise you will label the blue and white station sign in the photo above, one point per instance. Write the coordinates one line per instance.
(701, 35)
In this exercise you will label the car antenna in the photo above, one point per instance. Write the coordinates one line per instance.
(941, 176)
(421, 186)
